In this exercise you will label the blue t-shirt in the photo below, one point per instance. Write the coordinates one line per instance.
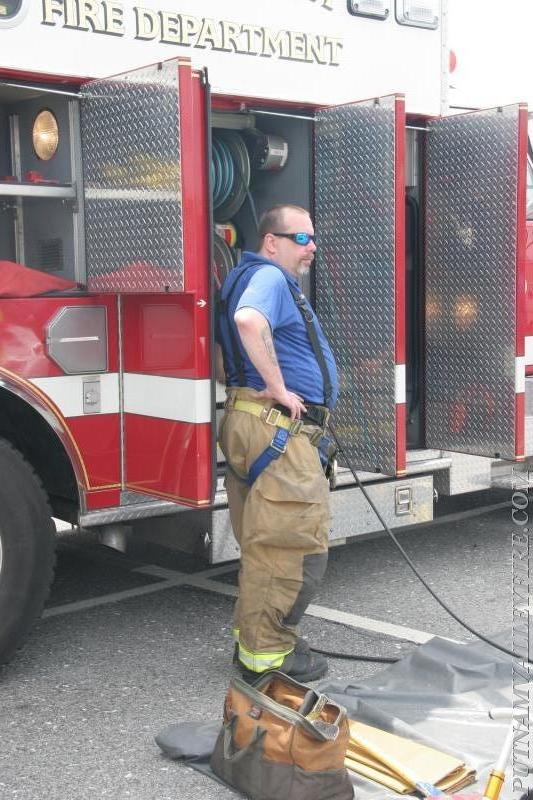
(268, 293)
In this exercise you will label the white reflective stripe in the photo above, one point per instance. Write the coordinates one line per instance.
(399, 380)
(529, 349)
(66, 391)
(79, 339)
(520, 374)
(180, 399)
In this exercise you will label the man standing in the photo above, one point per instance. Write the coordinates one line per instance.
(280, 388)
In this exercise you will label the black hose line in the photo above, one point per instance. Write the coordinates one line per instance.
(461, 622)
(353, 657)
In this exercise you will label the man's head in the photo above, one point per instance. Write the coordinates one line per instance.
(277, 241)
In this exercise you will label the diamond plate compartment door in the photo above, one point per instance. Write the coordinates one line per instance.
(132, 181)
(360, 273)
(475, 284)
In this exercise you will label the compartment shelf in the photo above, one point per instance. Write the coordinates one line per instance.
(63, 191)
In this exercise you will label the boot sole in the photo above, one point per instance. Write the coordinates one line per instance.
(302, 677)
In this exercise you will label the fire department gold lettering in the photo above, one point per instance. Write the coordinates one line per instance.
(230, 36)
(275, 43)
(51, 7)
(170, 28)
(316, 49)
(254, 38)
(98, 16)
(147, 23)
(297, 49)
(90, 15)
(210, 35)
(114, 18)
(71, 14)
(335, 47)
(107, 16)
(190, 28)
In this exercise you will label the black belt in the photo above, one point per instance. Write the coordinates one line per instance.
(316, 415)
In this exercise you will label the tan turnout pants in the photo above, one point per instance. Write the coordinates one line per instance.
(281, 523)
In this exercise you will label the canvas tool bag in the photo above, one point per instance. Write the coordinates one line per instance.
(282, 740)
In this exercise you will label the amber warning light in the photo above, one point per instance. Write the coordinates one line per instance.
(45, 135)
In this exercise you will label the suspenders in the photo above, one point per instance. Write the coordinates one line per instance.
(236, 277)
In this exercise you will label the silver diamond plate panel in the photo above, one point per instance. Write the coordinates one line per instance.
(132, 181)
(355, 281)
(471, 233)
(351, 514)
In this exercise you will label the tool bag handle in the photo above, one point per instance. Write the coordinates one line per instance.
(317, 728)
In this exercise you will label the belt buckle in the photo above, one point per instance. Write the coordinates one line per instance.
(280, 450)
(268, 417)
(296, 427)
(315, 437)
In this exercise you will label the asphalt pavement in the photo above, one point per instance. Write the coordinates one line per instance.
(131, 643)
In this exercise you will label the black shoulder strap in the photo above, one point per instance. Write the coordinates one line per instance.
(232, 281)
(307, 315)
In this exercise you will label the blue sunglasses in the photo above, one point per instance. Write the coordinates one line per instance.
(298, 238)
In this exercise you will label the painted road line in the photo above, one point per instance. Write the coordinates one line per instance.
(171, 579)
(115, 597)
(332, 615)
(321, 612)
(168, 574)
(201, 580)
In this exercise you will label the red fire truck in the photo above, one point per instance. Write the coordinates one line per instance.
(125, 200)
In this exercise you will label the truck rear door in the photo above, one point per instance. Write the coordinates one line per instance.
(146, 232)
(474, 276)
(360, 275)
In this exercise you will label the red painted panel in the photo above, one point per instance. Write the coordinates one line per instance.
(22, 332)
(196, 212)
(169, 335)
(159, 335)
(108, 498)
(98, 439)
(401, 438)
(529, 278)
(41, 77)
(528, 267)
(169, 459)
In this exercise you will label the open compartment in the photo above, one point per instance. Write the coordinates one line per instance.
(346, 165)
(40, 210)
(423, 306)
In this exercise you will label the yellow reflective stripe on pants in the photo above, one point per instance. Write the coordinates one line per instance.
(259, 662)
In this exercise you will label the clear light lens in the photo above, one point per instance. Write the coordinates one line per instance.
(421, 13)
(9, 8)
(370, 8)
(45, 135)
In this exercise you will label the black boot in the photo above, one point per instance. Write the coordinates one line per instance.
(302, 664)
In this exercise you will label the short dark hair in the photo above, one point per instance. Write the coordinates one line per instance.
(272, 219)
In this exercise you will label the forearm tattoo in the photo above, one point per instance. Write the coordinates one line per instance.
(269, 345)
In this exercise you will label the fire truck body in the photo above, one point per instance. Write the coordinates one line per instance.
(108, 399)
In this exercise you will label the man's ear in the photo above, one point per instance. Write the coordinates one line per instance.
(268, 243)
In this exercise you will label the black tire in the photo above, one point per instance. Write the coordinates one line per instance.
(27, 549)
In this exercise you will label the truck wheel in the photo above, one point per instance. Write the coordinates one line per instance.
(27, 549)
